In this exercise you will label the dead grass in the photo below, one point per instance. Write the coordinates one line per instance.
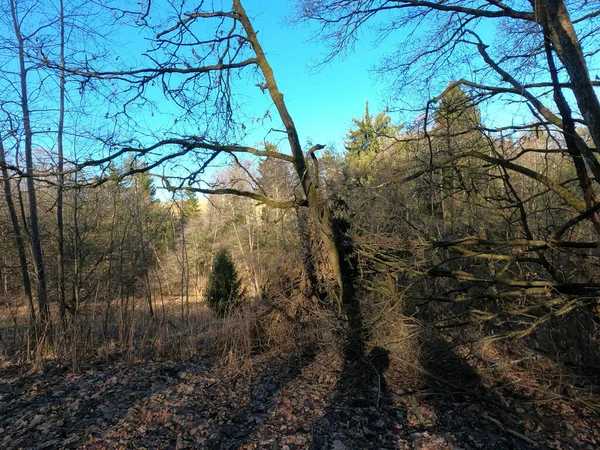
(124, 329)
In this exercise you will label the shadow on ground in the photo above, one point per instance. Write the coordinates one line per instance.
(59, 410)
(240, 425)
(360, 413)
(460, 407)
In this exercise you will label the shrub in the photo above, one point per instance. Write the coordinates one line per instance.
(224, 285)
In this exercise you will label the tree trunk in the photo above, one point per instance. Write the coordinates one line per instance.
(36, 244)
(18, 236)
(575, 147)
(61, 178)
(328, 235)
(568, 48)
(77, 262)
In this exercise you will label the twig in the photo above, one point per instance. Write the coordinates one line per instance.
(378, 382)
(509, 431)
(414, 406)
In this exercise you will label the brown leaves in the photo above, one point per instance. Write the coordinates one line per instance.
(285, 402)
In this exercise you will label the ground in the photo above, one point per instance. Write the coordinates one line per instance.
(308, 399)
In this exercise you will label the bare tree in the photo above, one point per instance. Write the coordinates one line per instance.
(36, 243)
(197, 71)
(541, 59)
(539, 32)
(60, 167)
(18, 235)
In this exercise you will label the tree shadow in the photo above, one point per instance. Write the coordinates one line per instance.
(572, 342)
(460, 405)
(263, 390)
(154, 406)
(360, 413)
(58, 410)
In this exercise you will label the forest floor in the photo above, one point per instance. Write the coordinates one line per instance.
(308, 399)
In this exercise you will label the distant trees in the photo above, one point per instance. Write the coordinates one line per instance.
(200, 83)
(457, 112)
(18, 235)
(43, 118)
(541, 40)
(370, 132)
(456, 130)
(197, 81)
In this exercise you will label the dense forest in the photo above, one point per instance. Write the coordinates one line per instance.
(174, 281)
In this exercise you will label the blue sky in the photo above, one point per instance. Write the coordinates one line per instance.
(322, 102)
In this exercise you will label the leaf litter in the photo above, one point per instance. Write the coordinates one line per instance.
(285, 402)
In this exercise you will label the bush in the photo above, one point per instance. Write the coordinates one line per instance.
(224, 285)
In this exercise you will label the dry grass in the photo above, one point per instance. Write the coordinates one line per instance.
(124, 329)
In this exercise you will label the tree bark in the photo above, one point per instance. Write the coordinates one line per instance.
(61, 178)
(326, 232)
(36, 244)
(18, 236)
(568, 48)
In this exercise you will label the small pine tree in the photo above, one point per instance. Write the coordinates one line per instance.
(224, 285)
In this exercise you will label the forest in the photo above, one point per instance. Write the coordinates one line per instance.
(182, 266)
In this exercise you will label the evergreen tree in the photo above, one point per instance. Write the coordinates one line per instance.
(365, 142)
(369, 132)
(458, 120)
(191, 207)
(457, 111)
(457, 130)
(224, 285)
(144, 182)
